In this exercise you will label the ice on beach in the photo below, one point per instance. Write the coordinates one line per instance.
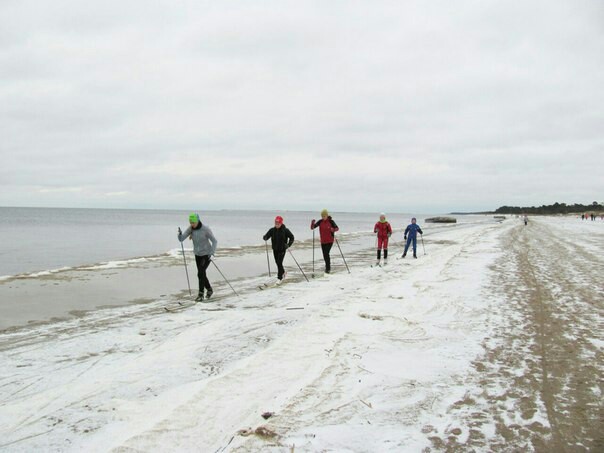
(116, 264)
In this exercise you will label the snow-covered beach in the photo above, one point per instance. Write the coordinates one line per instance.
(492, 340)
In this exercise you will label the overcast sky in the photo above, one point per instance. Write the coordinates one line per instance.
(399, 106)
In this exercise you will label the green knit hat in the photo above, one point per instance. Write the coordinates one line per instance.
(193, 218)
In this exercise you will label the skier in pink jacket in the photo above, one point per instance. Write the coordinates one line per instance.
(383, 230)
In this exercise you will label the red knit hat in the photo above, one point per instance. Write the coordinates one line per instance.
(278, 219)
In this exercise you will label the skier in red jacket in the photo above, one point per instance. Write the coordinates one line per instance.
(384, 231)
(327, 228)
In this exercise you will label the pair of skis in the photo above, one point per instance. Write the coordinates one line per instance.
(273, 284)
(179, 307)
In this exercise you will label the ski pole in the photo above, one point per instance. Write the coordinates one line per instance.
(267, 260)
(313, 253)
(185, 260)
(225, 279)
(290, 252)
(338, 244)
(405, 245)
(376, 243)
(422, 236)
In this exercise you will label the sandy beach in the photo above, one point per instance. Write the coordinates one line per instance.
(490, 341)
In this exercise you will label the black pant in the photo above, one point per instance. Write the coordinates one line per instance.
(279, 257)
(326, 248)
(202, 265)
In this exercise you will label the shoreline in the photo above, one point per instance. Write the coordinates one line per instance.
(47, 296)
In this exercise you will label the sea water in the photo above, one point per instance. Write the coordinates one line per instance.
(56, 262)
(44, 239)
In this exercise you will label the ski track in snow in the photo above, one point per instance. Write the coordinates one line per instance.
(450, 351)
(539, 383)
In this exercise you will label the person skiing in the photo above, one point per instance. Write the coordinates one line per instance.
(327, 228)
(281, 240)
(411, 232)
(384, 231)
(204, 247)
(525, 219)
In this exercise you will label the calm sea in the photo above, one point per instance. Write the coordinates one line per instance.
(41, 239)
(59, 263)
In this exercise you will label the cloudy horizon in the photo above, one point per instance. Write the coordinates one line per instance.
(381, 106)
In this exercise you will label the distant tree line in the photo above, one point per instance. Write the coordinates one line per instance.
(556, 208)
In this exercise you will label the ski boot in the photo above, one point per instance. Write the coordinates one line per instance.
(199, 297)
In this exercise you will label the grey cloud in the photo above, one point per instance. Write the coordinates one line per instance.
(486, 99)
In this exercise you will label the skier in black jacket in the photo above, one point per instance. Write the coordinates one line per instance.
(281, 240)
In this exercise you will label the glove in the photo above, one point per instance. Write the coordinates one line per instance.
(405, 238)
(312, 223)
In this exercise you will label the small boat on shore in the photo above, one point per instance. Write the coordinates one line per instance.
(441, 220)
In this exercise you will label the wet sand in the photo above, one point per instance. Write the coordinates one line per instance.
(74, 292)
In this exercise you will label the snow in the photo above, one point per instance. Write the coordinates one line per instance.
(368, 361)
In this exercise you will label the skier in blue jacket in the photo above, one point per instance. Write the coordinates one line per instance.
(411, 235)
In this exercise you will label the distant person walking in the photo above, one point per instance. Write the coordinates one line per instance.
(525, 219)
(383, 230)
(204, 247)
(281, 239)
(327, 228)
(411, 235)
